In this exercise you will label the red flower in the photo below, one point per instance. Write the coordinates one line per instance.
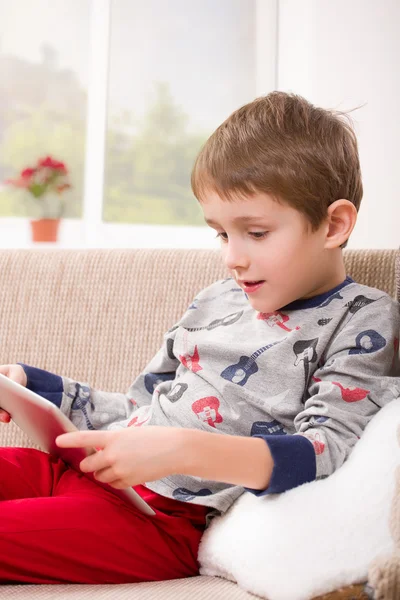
(49, 175)
(27, 173)
(52, 164)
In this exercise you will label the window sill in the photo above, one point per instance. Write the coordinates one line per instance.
(15, 233)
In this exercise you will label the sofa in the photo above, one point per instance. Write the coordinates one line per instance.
(99, 316)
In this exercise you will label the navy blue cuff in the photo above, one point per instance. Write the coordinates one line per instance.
(294, 463)
(45, 384)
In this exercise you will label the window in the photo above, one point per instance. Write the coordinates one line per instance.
(124, 92)
(177, 70)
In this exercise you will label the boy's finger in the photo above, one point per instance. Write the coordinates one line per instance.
(83, 439)
(4, 416)
(95, 462)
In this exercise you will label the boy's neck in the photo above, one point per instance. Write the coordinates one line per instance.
(332, 275)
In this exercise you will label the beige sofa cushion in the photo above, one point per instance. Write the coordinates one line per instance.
(195, 588)
(99, 315)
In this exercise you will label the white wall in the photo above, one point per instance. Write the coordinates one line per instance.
(342, 54)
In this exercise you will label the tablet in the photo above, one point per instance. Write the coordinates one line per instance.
(43, 421)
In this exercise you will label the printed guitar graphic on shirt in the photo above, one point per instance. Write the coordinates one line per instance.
(207, 410)
(349, 394)
(191, 361)
(359, 302)
(276, 318)
(145, 412)
(336, 296)
(267, 428)
(395, 351)
(322, 322)
(170, 349)
(367, 342)
(228, 320)
(177, 392)
(151, 380)
(317, 441)
(240, 372)
(202, 301)
(305, 351)
(224, 322)
(185, 495)
(80, 398)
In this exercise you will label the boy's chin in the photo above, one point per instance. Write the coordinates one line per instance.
(264, 306)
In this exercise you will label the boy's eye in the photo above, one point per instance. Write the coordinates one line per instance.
(258, 234)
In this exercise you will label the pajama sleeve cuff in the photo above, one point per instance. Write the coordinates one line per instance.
(294, 463)
(43, 383)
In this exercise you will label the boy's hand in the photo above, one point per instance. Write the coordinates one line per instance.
(16, 373)
(130, 456)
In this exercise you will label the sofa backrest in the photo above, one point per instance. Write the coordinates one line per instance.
(99, 315)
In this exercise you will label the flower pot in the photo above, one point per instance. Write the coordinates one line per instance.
(45, 230)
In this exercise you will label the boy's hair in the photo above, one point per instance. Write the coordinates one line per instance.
(284, 146)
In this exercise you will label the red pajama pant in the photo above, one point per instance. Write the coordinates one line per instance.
(57, 526)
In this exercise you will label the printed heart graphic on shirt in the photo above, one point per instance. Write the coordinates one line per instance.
(207, 410)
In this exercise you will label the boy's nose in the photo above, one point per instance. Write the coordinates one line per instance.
(235, 256)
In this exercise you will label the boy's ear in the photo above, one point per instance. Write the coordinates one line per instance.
(341, 219)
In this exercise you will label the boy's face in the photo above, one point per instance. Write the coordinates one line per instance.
(270, 249)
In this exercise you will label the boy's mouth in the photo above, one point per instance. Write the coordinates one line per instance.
(251, 286)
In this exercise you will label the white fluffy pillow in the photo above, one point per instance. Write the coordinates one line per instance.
(315, 538)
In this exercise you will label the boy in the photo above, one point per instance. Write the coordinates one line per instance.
(265, 383)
